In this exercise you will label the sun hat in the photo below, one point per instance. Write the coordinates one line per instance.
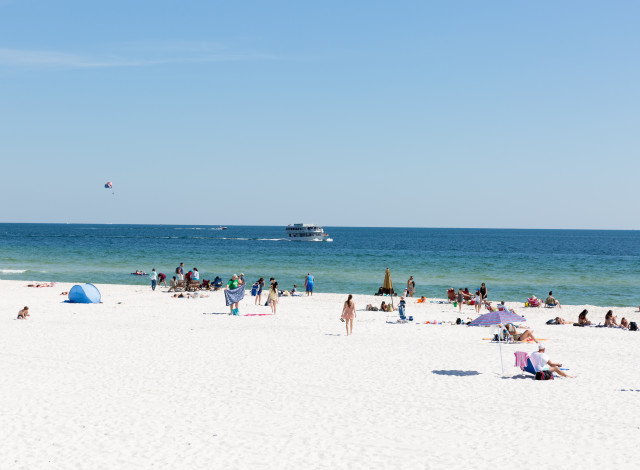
(541, 347)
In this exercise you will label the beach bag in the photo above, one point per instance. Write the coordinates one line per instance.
(633, 326)
(544, 375)
(551, 322)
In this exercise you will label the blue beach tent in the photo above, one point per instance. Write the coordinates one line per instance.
(84, 294)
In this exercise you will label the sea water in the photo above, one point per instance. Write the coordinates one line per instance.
(580, 266)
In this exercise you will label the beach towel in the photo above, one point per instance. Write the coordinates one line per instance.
(233, 296)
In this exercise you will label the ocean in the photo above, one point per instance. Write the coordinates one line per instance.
(597, 267)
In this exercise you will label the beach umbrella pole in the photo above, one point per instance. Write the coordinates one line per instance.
(500, 343)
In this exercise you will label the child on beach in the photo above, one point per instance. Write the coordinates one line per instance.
(24, 313)
(173, 284)
(460, 299)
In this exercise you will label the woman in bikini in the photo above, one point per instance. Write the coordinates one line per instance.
(525, 335)
(349, 313)
(610, 320)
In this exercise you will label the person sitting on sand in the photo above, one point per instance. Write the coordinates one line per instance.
(24, 313)
(173, 284)
(541, 362)
(610, 320)
(624, 323)
(524, 336)
(582, 318)
(551, 301)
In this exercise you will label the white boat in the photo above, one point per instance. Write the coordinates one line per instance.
(307, 233)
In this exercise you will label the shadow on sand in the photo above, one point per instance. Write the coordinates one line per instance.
(459, 373)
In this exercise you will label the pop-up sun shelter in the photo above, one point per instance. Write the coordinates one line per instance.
(84, 294)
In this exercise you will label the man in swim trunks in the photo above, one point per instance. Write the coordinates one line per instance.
(308, 284)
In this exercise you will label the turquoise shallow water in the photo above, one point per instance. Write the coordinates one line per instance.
(580, 266)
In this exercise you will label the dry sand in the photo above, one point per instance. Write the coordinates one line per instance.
(144, 380)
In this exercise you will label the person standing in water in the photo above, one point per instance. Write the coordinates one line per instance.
(308, 284)
(348, 314)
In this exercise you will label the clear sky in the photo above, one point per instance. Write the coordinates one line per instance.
(362, 113)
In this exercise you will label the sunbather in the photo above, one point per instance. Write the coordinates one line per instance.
(541, 362)
(610, 320)
(561, 321)
(582, 318)
(525, 335)
(551, 301)
(624, 323)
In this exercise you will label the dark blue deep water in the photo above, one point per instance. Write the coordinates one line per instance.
(580, 266)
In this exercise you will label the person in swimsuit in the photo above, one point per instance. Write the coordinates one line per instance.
(460, 298)
(477, 301)
(233, 283)
(411, 286)
(24, 313)
(582, 318)
(624, 323)
(308, 284)
(483, 291)
(349, 313)
(273, 296)
(551, 301)
(610, 320)
(513, 331)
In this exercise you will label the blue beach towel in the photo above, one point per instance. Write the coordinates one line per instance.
(234, 295)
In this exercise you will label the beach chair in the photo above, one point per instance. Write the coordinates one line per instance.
(523, 362)
(194, 284)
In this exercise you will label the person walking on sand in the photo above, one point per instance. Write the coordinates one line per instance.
(460, 299)
(24, 313)
(308, 284)
(273, 296)
(154, 279)
(348, 314)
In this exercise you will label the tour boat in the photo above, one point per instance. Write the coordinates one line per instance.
(307, 233)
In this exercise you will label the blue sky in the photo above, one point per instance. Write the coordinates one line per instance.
(426, 114)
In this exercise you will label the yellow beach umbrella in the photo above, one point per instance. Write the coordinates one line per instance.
(387, 285)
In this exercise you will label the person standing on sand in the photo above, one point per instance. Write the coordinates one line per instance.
(273, 296)
(348, 314)
(308, 284)
(460, 299)
(180, 272)
(410, 286)
(483, 291)
(234, 283)
(477, 301)
(259, 291)
(154, 279)
(162, 279)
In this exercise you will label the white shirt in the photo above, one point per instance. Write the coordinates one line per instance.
(478, 299)
(153, 276)
(195, 276)
(539, 361)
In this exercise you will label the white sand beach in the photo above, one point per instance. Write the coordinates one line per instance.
(145, 380)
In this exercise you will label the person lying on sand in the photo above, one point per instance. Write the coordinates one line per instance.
(24, 313)
(541, 362)
(513, 331)
(42, 284)
(624, 323)
(561, 321)
(64, 293)
(610, 320)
